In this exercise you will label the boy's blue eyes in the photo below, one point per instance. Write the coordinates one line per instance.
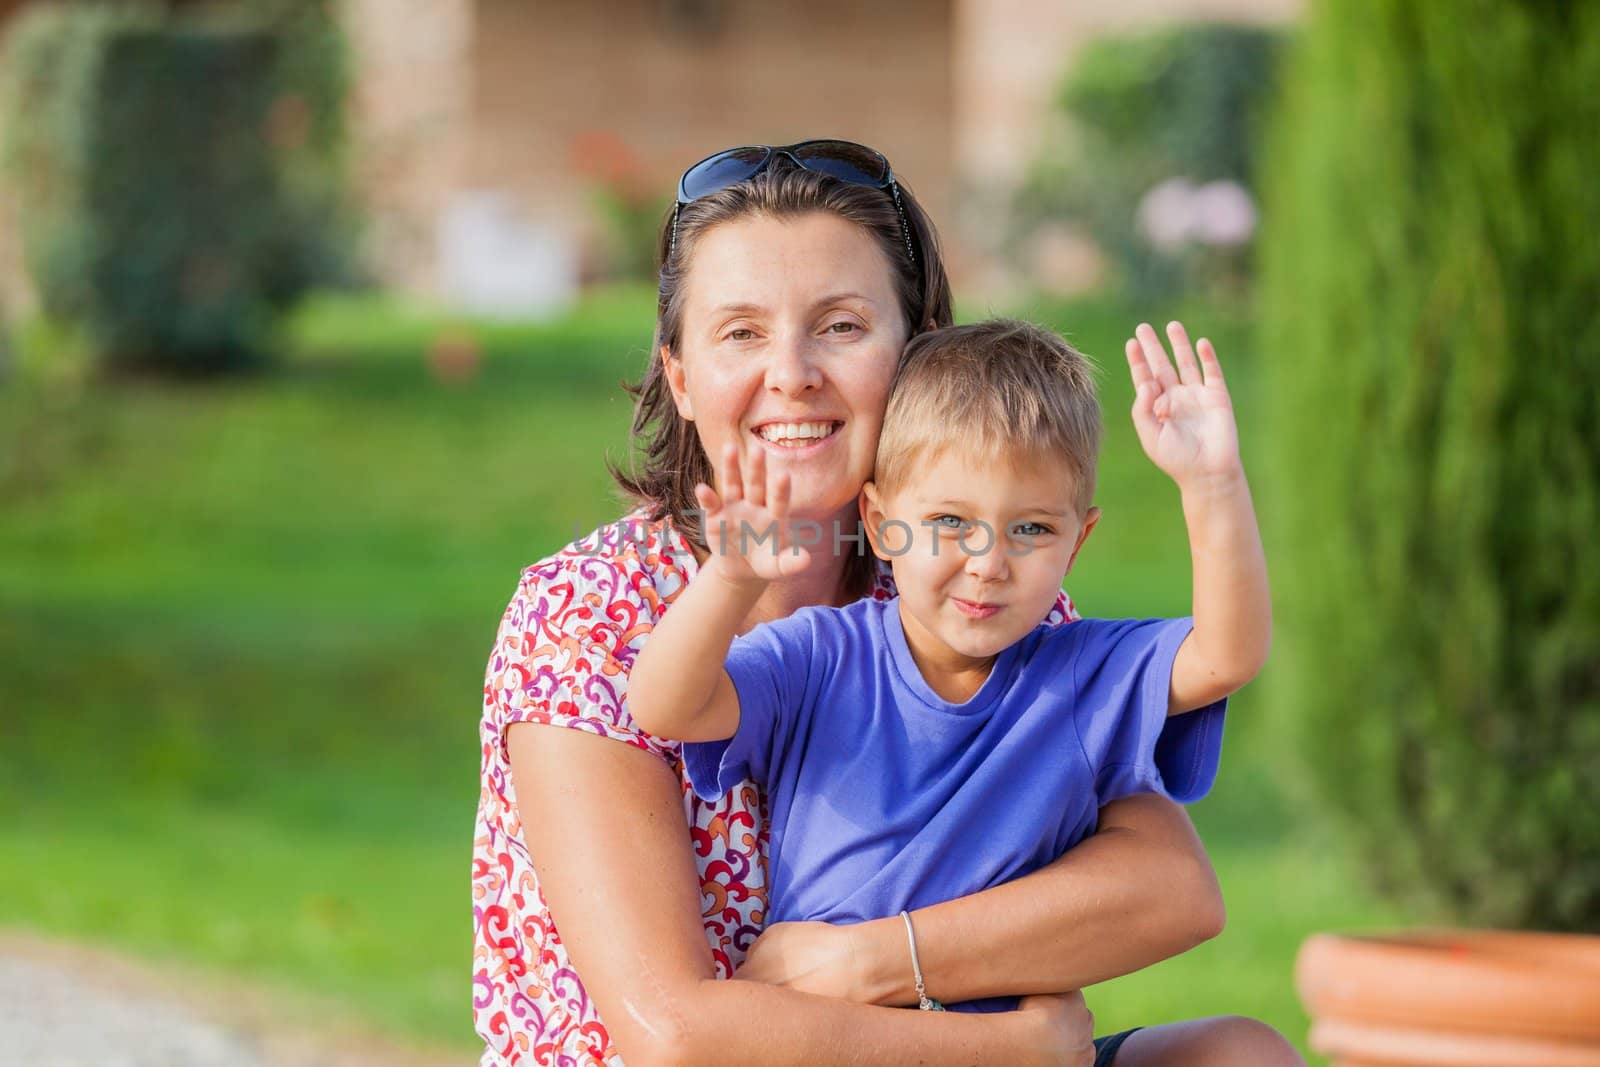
(1020, 529)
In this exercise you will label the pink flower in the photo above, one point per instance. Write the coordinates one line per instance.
(1176, 212)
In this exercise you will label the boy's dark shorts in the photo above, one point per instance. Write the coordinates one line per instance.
(1105, 1048)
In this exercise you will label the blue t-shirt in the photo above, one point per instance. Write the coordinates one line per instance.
(883, 796)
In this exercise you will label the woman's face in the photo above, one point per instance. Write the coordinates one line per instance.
(791, 332)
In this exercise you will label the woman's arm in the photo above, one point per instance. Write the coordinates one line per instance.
(1138, 891)
(604, 825)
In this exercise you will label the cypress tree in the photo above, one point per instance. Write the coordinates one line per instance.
(1431, 317)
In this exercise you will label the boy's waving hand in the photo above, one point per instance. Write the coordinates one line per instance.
(1184, 418)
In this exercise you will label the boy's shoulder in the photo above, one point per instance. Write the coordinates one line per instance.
(821, 634)
(1092, 642)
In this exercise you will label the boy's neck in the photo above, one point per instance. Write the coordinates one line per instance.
(823, 583)
(952, 676)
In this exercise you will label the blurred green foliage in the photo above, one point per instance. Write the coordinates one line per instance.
(628, 202)
(1180, 102)
(5, 345)
(1430, 278)
(321, 228)
(631, 227)
(178, 175)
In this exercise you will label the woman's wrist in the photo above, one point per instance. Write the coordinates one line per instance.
(885, 975)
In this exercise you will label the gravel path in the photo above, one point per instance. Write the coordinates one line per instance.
(65, 1006)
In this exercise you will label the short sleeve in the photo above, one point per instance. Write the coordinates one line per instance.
(1122, 674)
(768, 667)
(564, 649)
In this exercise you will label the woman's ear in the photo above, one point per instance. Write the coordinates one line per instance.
(677, 382)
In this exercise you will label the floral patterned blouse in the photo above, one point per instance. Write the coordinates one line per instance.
(561, 657)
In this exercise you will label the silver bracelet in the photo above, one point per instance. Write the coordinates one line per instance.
(925, 1002)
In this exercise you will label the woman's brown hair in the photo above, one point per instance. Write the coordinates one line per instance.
(670, 461)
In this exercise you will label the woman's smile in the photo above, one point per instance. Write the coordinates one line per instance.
(798, 440)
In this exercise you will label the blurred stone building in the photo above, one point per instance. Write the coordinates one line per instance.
(488, 127)
(487, 131)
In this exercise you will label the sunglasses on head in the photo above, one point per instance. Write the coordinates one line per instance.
(845, 160)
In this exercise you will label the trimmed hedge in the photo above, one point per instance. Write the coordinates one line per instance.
(1430, 276)
(166, 207)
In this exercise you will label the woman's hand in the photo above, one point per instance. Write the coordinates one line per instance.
(747, 524)
(1064, 1025)
(821, 958)
(810, 957)
(1184, 418)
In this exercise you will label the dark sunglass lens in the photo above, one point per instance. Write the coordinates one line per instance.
(844, 160)
(722, 170)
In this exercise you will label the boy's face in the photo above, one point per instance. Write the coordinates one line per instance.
(989, 543)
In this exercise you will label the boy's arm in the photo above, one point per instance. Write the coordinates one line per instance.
(678, 688)
(1232, 606)
(1185, 422)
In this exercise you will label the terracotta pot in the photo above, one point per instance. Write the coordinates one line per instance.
(1453, 998)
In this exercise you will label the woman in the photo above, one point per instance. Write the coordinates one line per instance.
(791, 280)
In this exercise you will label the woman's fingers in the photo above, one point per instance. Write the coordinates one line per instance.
(1156, 356)
(1188, 367)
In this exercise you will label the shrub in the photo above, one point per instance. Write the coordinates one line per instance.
(167, 207)
(1430, 270)
(1176, 105)
(320, 232)
(628, 201)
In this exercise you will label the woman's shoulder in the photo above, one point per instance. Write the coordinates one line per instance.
(577, 619)
(626, 555)
(617, 576)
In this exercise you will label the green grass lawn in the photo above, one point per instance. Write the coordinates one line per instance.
(243, 625)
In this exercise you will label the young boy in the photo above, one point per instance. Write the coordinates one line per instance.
(925, 747)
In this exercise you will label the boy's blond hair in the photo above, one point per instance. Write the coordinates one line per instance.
(1009, 390)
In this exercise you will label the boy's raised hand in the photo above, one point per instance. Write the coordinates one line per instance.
(747, 524)
(1184, 417)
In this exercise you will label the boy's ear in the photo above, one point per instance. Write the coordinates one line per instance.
(673, 368)
(1090, 519)
(872, 517)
